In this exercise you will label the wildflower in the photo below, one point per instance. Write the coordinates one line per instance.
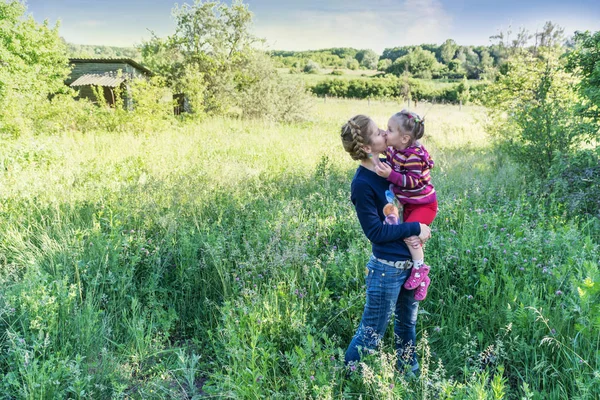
(437, 329)
(132, 231)
(469, 297)
(237, 278)
(391, 385)
(258, 379)
(468, 251)
(545, 270)
(452, 231)
(353, 368)
(553, 331)
(558, 293)
(334, 248)
(522, 269)
(332, 358)
(312, 377)
(485, 260)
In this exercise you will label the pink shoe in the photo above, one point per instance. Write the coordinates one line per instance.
(421, 291)
(416, 277)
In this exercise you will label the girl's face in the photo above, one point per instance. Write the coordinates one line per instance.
(377, 138)
(396, 137)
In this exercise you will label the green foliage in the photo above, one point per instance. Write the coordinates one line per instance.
(311, 67)
(33, 65)
(574, 182)
(584, 60)
(329, 58)
(384, 64)
(91, 51)
(532, 106)
(367, 59)
(418, 62)
(210, 60)
(404, 87)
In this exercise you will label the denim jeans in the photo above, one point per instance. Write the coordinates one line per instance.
(385, 295)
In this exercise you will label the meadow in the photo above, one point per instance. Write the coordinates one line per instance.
(223, 259)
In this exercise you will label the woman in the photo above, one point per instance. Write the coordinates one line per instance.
(390, 263)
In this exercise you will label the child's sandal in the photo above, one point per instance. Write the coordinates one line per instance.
(421, 291)
(416, 277)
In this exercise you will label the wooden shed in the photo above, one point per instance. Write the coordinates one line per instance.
(106, 73)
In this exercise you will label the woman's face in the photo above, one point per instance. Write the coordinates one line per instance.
(378, 139)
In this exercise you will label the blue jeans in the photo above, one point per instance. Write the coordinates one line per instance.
(385, 295)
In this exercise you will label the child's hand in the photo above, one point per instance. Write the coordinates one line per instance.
(383, 170)
(413, 242)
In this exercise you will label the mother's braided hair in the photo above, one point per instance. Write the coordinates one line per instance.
(411, 123)
(355, 135)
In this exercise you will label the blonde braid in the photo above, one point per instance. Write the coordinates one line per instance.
(355, 135)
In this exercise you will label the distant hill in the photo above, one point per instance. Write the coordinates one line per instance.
(85, 50)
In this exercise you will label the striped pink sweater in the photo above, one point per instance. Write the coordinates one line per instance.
(410, 174)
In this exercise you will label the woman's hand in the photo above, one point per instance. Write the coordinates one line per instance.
(383, 170)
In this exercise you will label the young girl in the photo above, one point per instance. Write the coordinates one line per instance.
(409, 174)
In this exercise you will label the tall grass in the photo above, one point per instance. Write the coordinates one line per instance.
(224, 259)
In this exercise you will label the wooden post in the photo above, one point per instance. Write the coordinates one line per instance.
(460, 105)
(368, 102)
(325, 99)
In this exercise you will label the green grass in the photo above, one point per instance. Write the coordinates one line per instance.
(224, 259)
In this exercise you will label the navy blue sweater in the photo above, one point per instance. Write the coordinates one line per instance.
(368, 196)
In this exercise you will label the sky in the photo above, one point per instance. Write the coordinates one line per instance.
(316, 24)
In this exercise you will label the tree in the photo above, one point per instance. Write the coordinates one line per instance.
(448, 50)
(584, 61)
(33, 65)
(551, 35)
(472, 63)
(384, 64)
(212, 47)
(420, 63)
(532, 107)
(367, 59)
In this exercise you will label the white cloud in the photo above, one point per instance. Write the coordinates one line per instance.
(384, 24)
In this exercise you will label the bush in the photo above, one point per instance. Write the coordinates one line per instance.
(532, 108)
(574, 181)
(311, 67)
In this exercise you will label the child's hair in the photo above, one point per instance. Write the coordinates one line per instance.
(355, 134)
(410, 123)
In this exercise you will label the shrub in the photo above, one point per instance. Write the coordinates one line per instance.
(574, 181)
(311, 67)
(532, 108)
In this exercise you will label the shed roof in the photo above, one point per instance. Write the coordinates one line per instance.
(110, 80)
(110, 60)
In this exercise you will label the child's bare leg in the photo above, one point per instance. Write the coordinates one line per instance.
(417, 255)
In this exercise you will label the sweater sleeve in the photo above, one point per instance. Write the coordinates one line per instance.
(407, 179)
(364, 202)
